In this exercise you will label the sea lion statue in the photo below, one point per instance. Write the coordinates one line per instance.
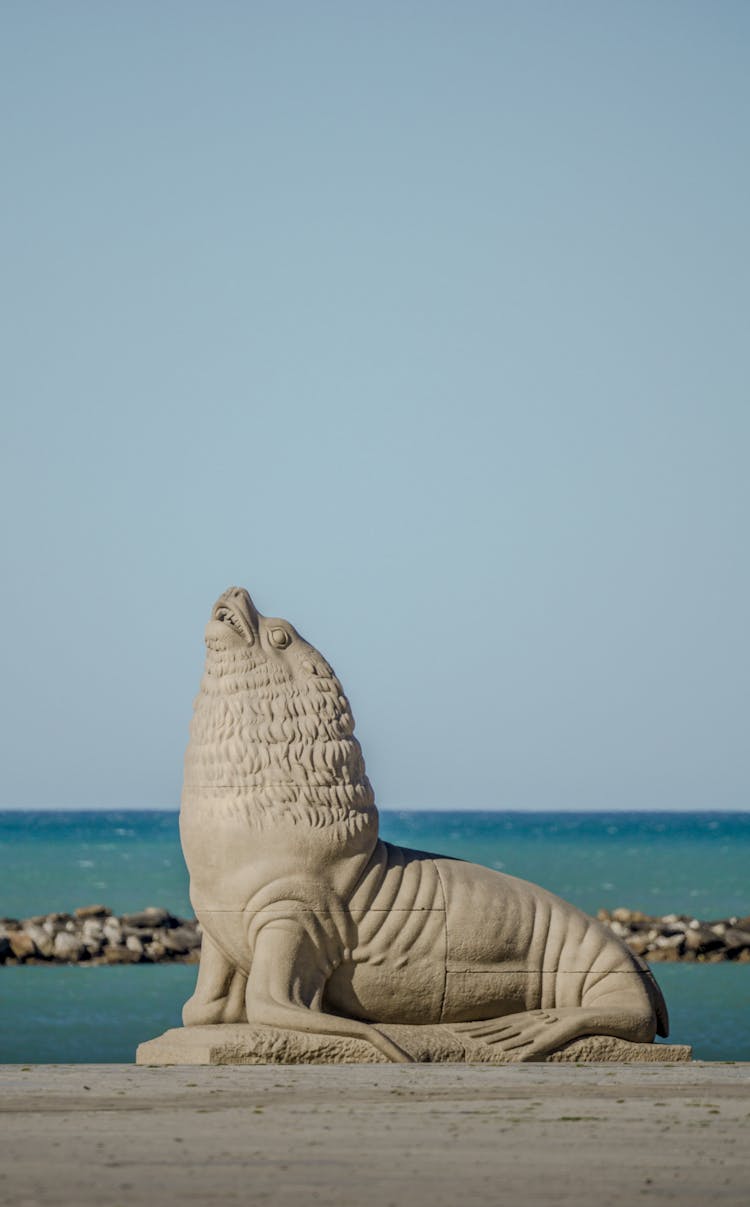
(311, 922)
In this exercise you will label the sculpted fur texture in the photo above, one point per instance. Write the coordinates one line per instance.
(312, 922)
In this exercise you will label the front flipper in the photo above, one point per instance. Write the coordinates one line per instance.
(535, 1033)
(285, 989)
(219, 995)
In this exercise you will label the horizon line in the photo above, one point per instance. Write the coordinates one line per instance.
(395, 809)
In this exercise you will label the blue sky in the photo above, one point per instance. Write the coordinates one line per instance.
(427, 323)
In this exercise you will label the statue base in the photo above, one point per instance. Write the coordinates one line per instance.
(243, 1044)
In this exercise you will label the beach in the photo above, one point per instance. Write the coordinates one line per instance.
(374, 1136)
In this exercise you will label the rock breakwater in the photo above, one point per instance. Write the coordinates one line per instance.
(94, 935)
(680, 936)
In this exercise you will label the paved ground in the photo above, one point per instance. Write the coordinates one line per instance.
(426, 1136)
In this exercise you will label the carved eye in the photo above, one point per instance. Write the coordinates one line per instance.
(279, 638)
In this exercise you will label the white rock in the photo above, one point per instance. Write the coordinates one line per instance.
(67, 946)
(43, 941)
(112, 931)
(667, 941)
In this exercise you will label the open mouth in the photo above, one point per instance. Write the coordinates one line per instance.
(235, 610)
(230, 618)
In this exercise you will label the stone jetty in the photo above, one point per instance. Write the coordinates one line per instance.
(93, 934)
(680, 936)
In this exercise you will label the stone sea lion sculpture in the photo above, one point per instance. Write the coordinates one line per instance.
(312, 922)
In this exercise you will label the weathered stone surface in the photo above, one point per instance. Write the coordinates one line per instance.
(67, 946)
(152, 916)
(180, 940)
(43, 942)
(120, 955)
(112, 930)
(701, 939)
(736, 939)
(59, 919)
(609, 1049)
(92, 929)
(230, 1044)
(137, 932)
(21, 944)
(91, 911)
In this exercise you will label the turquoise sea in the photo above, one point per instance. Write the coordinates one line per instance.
(695, 863)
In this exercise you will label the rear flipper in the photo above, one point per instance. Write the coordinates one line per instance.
(219, 991)
(535, 1033)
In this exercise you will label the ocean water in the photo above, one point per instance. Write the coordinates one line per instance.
(695, 863)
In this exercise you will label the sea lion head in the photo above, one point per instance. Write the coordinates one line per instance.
(272, 735)
(238, 634)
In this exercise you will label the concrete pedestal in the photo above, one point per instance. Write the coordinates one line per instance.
(242, 1044)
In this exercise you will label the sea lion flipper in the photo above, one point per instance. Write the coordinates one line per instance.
(533, 1034)
(285, 989)
(219, 991)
